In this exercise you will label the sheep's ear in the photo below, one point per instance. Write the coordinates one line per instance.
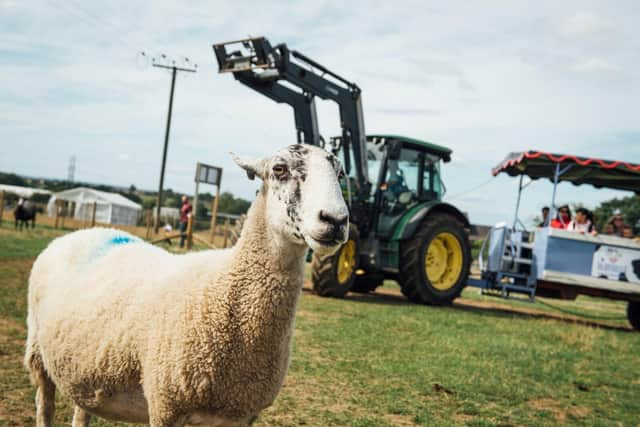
(253, 167)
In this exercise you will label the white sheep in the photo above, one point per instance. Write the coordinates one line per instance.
(132, 333)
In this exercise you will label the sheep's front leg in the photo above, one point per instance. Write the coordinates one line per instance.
(162, 416)
(81, 418)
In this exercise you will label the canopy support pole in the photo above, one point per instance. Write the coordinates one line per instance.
(556, 176)
(515, 219)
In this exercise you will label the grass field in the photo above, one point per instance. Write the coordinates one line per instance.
(376, 360)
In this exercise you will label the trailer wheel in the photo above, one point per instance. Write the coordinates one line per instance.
(434, 264)
(333, 275)
(366, 283)
(633, 314)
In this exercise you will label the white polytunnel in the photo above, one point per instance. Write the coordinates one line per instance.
(111, 208)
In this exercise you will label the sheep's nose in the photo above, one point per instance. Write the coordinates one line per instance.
(334, 220)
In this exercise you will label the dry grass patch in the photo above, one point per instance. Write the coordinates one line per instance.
(561, 414)
(306, 400)
(585, 338)
(402, 420)
(15, 389)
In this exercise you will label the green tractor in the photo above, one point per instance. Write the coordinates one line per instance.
(400, 228)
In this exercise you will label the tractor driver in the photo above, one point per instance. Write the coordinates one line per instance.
(395, 182)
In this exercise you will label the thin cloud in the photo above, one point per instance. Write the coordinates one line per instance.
(588, 27)
(466, 85)
(596, 66)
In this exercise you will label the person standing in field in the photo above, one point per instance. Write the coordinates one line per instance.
(185, 213)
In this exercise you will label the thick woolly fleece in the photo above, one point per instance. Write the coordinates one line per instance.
(116, 322)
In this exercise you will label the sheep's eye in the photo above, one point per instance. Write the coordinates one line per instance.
(279, 170)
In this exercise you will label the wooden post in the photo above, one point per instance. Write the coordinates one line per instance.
(226, 232)
(1, 206)
(195, 202)
(156, 218)
(85, 215)
(214, 215)
(94, 206)
(149, 224)
(190, 231)
(57, 213)
(63, 212)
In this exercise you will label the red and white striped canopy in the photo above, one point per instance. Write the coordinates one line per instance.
(600, 173)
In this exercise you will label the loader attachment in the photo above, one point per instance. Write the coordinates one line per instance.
(243, 55)
(289, 77)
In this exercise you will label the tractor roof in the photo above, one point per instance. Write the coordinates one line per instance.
(429, 147)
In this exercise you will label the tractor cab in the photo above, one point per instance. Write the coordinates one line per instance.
(406, 173)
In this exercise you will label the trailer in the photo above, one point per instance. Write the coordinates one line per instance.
(554, 262)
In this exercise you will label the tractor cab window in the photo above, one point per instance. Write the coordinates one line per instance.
(401, 185)
(375, 153)
(432, 187)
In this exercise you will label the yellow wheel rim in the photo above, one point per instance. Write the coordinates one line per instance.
(443, 261)
(346, 262)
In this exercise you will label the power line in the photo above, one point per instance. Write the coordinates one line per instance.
(472, 189)
(95, 18)
(110, 31)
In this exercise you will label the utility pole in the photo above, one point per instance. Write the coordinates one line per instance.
(174, 69)
(71, 171)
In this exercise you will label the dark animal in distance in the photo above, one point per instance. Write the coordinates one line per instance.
(25, 213)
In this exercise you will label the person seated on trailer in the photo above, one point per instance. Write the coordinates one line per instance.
(562, 219)
(616, 226)
(545, 216)
(582, 223)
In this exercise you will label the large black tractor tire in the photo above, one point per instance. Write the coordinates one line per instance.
(633, 314)
(434, 263)
(367, 282)
(333, 275)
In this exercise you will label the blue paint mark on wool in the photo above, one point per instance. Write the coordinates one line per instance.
(112, 243)
(121, 240)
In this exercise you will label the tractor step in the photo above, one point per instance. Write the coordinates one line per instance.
(523, 245)
(516, 260)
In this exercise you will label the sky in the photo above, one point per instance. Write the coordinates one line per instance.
(484, 78)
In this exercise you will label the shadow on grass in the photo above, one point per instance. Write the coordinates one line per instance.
(479, 308)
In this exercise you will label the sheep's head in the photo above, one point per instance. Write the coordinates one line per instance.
(303, 197)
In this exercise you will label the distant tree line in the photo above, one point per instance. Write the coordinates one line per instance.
(147, 199)
(629, 206)
(228, 202)
(56, 185)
